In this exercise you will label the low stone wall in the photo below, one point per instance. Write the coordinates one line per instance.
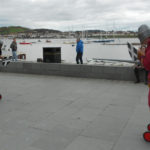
(73, 70)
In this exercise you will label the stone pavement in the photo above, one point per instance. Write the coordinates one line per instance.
(63, 113)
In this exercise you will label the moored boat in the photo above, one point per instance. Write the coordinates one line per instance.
(48, 41)
(24, 43)
(103, 41)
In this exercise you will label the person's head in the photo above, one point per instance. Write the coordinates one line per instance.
(144, 34)
(14, 39)
(78, 39)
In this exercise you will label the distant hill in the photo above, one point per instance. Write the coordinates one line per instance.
(18, 29)
(47, 30)
(92, 31)
(13, 30)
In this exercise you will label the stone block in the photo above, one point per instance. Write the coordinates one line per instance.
(70, 67)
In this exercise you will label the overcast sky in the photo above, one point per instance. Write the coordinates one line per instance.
(75, 14)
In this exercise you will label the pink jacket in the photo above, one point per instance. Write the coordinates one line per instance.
(146, 58)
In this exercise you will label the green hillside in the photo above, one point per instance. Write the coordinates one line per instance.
(18, 29)
(12, 30)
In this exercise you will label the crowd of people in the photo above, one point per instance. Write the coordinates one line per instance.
(13, 46)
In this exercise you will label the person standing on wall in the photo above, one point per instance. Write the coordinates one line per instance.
(137, 68)
(13, 46)
(1, 44)
(79, 50)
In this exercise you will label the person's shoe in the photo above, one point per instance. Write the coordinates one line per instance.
(137, 81)
(146, 83)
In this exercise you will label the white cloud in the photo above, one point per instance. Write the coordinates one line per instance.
(69, 13)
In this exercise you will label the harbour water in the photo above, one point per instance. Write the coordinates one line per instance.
(68, 52)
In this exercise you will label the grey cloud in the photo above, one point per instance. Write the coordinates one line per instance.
(45, 13)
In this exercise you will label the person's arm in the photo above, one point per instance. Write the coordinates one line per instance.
(77, 48)
(146, 61)
(1, 46)
(11, 46)
(82, 47)
(16, 47)
(141, 53)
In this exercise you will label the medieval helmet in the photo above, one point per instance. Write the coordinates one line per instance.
(143, 32)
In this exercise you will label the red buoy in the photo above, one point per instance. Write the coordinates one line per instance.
(146, 136)
(148, 127)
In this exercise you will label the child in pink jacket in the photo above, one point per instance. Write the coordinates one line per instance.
(144, 51)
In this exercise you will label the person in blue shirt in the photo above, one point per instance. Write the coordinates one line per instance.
(79, 50)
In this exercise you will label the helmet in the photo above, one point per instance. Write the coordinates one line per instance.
(143, 32)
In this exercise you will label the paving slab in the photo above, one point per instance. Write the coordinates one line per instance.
(41, 112)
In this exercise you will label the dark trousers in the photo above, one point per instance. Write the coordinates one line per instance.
(79, 57)
(0, 49)
(136, 72)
